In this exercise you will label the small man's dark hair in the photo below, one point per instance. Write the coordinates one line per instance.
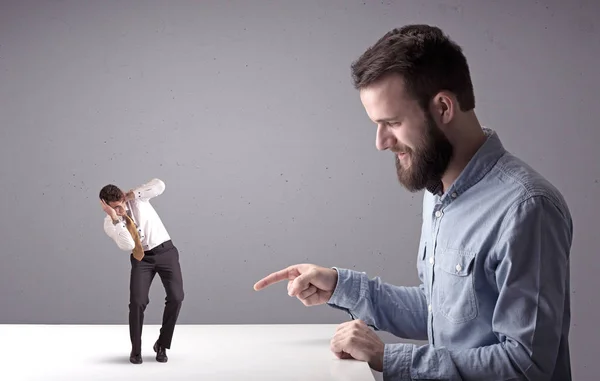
(111, 193)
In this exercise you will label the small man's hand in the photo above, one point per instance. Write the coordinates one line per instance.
(129, 195)
(356, 340)
(108, 209)
(311, 284)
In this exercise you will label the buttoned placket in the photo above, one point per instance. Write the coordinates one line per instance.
(435, 225)
(438, 214)
(130, 213)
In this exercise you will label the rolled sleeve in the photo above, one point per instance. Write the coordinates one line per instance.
(349, 289)
(397, 360)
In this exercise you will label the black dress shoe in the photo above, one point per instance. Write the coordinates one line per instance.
(161, 352)
(135, 358)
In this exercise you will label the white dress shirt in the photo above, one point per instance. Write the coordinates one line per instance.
(151, 230)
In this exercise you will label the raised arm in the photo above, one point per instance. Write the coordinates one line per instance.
(117, 230)
(151, 189)
(401, 311)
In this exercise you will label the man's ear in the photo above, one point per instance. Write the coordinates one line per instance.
(443, 107)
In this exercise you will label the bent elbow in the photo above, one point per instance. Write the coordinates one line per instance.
(126, 246)
(160, 186)
(532, 366)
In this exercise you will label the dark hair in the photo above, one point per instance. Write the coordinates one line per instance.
(427, 60)
(111, 193)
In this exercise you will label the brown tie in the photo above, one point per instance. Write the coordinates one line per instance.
(138, 251)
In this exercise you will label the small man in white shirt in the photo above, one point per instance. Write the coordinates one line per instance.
(134, 225)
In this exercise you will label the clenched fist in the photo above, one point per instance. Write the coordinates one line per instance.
(355, 339)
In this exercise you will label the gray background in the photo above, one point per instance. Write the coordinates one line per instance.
(247, 112)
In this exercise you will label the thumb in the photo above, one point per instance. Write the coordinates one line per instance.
(301, 283)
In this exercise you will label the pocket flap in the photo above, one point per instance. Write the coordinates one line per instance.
(457, 262)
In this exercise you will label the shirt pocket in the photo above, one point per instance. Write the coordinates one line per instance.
(455, 285)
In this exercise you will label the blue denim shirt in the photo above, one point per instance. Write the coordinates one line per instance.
(493, 263)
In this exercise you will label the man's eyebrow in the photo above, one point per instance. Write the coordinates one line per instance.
(389, 119)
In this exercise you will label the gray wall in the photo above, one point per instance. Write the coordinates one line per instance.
(246, 111)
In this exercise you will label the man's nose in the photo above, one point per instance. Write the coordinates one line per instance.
(384, 139)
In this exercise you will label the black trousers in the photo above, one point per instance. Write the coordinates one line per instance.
(164, 260)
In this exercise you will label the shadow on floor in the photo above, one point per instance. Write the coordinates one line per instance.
(125, 360)
(116, 360)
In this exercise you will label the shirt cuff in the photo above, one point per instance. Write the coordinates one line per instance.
(351, 286)
(397, 362)
(121, 223)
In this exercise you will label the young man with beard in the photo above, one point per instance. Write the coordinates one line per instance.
(496, 236)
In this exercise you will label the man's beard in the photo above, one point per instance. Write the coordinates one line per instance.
(428, 161)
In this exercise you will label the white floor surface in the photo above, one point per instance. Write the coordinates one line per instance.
(198, 352)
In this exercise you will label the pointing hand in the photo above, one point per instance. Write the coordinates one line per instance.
(311, 284)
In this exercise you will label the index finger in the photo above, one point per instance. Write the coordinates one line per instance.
(285, 274)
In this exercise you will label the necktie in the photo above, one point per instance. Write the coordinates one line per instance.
(138, 251)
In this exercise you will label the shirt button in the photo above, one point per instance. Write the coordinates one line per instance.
(429, 307)
(458, 268)
(431, 260)
(438, 214)
(454, 195)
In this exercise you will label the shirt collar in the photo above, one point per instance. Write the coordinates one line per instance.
(480, 164)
